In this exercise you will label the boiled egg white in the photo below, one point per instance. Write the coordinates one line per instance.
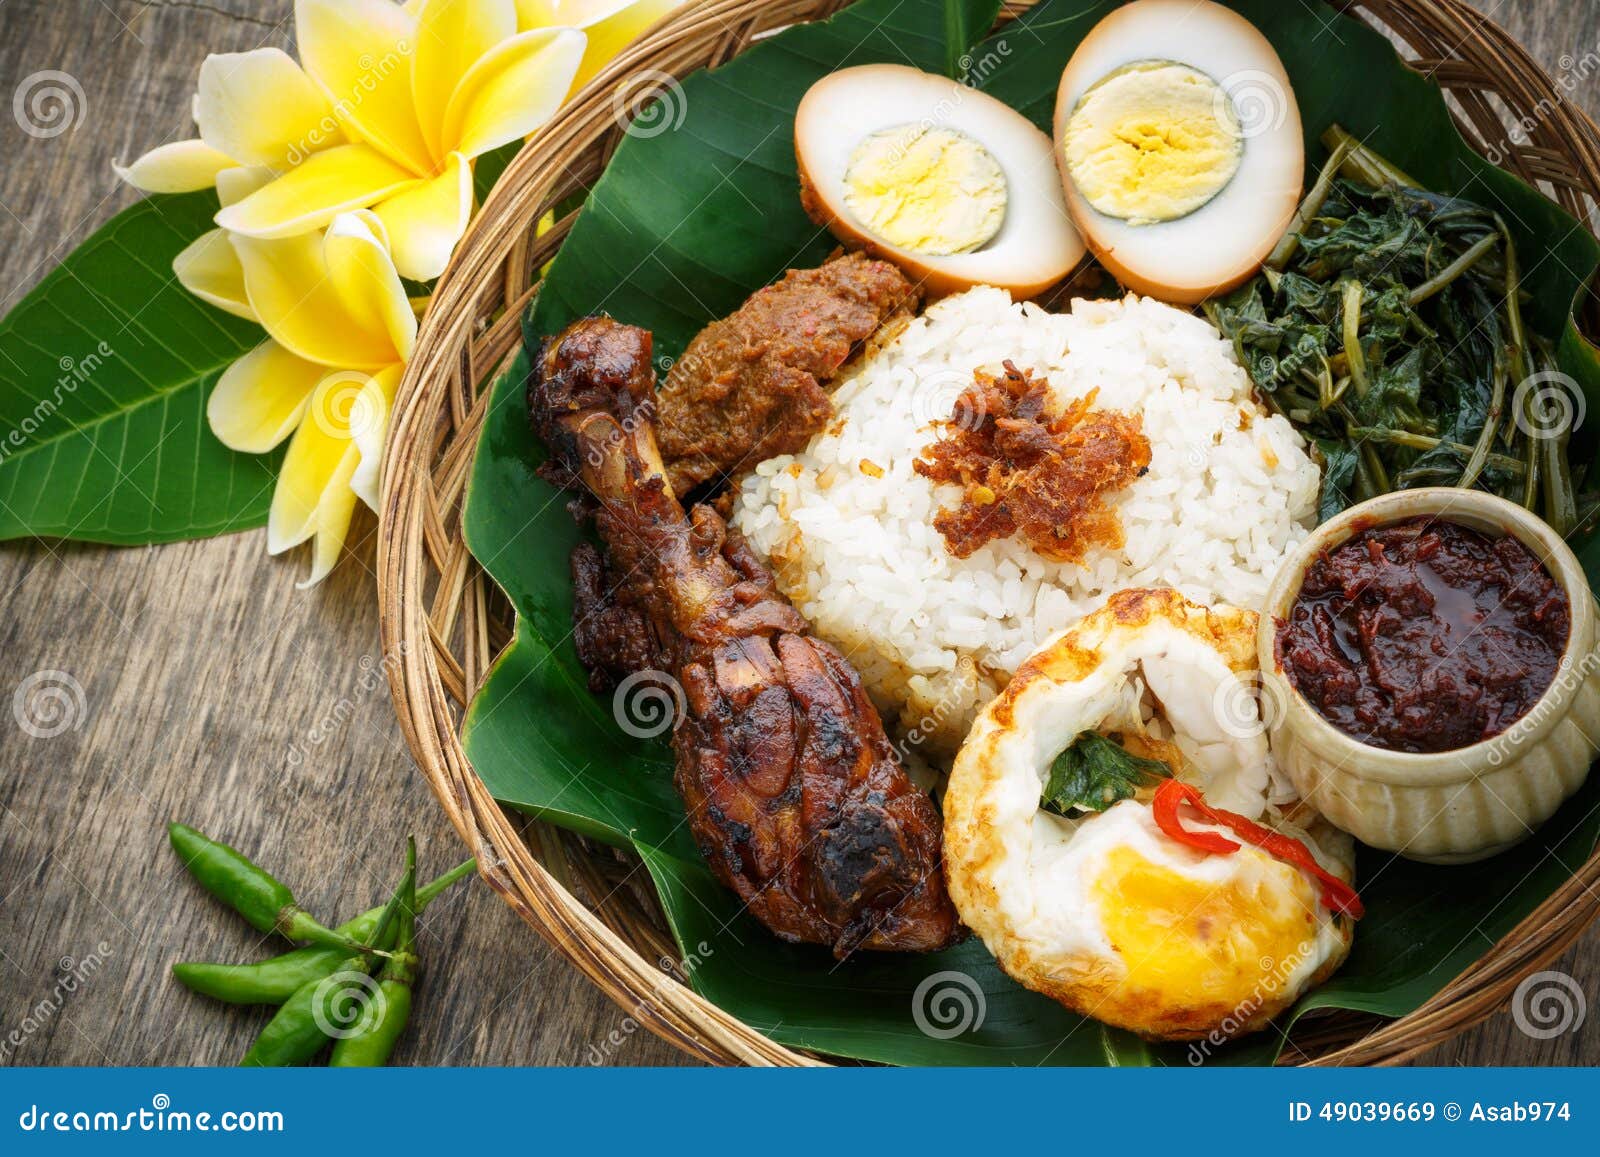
(1179, 144)
(947, 182)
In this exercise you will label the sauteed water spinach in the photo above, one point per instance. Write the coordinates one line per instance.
(1387, 325)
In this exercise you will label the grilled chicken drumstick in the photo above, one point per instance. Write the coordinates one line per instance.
(794, 794)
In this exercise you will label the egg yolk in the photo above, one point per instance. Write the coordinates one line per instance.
(1189, 938)
(1152, 142)
(927, 189)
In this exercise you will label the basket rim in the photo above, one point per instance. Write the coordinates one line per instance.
(485, 273)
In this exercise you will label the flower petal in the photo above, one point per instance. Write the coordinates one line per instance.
(513, 89)
(209, 268)
(360, 268)
(260, 398)
(610, 35)
(610, 24)
(313, 495)
(333, 526)
(309, 196)
(451, 36)
(317, 315)
(287, 284)
(369, 427)
(425, 222)
(180, 167)
(236, 184)
(532, 14)
(357, 51)
(260, 108)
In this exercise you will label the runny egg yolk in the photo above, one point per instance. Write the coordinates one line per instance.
(1223, 941)
(927, 189)
(1152, 141)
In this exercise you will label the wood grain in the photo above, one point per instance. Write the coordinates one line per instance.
(215, 693)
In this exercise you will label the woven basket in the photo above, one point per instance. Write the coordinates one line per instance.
(446, 621)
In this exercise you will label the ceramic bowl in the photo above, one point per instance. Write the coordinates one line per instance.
(1452, 806)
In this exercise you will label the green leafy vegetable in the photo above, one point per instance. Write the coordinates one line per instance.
(1387, 327)
(681, 228)
(105, 368)
(1094, 772)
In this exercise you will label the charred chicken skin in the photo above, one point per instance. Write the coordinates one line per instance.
(794, 794)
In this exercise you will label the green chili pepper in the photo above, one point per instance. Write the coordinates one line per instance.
(302, 1026)
(372, 1042)
(275, 981)
(250, 890)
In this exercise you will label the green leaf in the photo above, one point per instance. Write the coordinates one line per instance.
(964, 26)
(105, 368)
(1094, 772)
(682, 227)
(1338, 477)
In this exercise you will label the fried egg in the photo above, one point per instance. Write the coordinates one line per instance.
(1104, 912)
(1179, 143)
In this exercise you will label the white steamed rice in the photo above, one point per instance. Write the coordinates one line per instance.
(1229, 491)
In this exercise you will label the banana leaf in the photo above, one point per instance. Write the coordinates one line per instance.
(105, 369)
(679, 230)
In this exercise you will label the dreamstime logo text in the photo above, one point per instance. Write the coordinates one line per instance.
(74, 372)
(598, 450)
(159, 1117)
(1275, 977)
(976, 70)
(1569, 677)
(932, 720)
(1574, 73)
(608, 1046)
(373, 674)
(71, 975)
(330, 129)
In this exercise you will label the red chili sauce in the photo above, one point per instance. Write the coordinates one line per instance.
(1425, 635)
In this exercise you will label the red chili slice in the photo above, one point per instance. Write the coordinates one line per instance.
(1337, 896)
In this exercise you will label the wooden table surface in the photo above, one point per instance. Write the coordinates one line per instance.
(216, 693)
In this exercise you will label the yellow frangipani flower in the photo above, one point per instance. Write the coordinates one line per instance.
(261, 109)
(335, 180)
(419, 95)
(253, 109)
(340, 330)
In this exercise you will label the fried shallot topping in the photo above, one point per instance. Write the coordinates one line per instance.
(1028, 467)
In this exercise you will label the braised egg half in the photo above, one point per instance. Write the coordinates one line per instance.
(1179, 144)
(1104, 910)
(947, 182)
